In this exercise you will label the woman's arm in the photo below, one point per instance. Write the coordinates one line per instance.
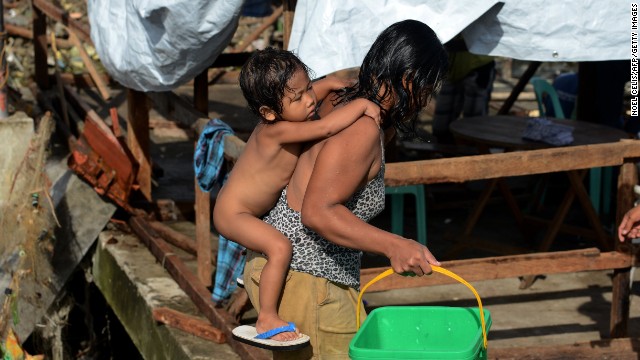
(345, 164)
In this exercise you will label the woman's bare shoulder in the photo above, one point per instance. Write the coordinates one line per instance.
(361, 137)
(364, 128)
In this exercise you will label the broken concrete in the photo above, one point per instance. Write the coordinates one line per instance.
(133, 284)
(15, 134)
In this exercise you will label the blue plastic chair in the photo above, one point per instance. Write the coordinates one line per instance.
(545, 91)
(397, 209)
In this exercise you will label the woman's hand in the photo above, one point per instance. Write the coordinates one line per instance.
(630, 225)
(411, 256)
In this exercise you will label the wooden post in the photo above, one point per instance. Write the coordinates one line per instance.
(138, 137)
(40, 48)
(203, 200)
(289, 12)
(619, 323)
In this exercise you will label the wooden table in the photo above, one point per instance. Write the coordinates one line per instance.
(505, 132)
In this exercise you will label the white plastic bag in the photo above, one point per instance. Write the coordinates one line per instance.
(157, 45)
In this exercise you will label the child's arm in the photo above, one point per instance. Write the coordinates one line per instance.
(325, 85)
(340, 118)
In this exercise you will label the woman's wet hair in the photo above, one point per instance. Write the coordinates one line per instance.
(407, 61)
(264, 78)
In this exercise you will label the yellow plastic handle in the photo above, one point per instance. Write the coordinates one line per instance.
(436, 269)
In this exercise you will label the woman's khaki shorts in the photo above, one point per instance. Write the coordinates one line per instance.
(321, 309)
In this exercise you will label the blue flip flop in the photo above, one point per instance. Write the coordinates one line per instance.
(273, 332)
(248, 335)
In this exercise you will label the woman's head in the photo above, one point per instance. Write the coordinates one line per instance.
(403, 68)
(265, 80)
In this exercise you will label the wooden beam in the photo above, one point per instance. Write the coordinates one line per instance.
(203, 200)
(57, 14)
(621, 290)
(627, 348)
(467, 168)
(289, 8)
(138, 137)
(203, 231)
(40, 49)
(189, 324)
(26, 33)
(502, 267)
(174, 237)
(88, 63)
(197, 292)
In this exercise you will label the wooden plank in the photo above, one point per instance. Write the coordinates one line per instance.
(201, 93)
(138, 137)
(203, 200)
(90, 114)
(203, 231)
(491, 166)
(57, 14)
(621, 290)
(189, 324)
(173, 237)
(40, 49)
(627, 348)
(289, 8)
(26, 33)
(502, 267)
(88, 63)
(197, 292)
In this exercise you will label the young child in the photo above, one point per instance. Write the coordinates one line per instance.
(277, 88)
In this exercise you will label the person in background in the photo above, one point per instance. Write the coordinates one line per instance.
(466, 90)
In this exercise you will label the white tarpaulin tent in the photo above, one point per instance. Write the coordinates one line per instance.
(331, 35)
(156, 45)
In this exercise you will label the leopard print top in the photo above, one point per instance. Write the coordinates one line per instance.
(313, 254)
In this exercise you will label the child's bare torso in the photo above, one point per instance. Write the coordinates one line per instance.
(259, 175)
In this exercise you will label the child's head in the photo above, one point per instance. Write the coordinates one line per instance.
(403, 68)
(271, 80)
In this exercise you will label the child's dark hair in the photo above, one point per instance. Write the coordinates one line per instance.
(406, 55)
(264, 78)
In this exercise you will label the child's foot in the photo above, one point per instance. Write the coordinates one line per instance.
(266, 323)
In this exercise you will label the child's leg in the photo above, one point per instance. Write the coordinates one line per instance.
(256, 235)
